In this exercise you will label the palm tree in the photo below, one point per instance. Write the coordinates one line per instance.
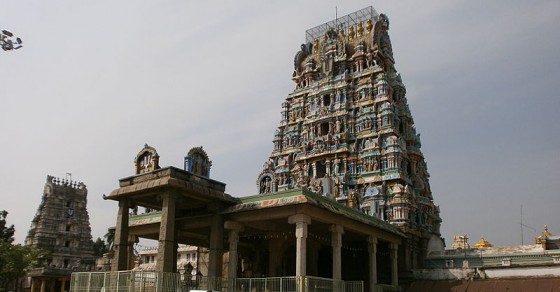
(110, 237)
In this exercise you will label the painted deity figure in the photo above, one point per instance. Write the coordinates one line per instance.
(338, 126)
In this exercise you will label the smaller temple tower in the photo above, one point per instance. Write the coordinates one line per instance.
(61, 226)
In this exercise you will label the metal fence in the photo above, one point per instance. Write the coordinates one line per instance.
(279, 284)
(143, 281)
(345, 21)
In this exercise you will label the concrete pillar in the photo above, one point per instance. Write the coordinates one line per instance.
(167, 248)
(372, 250)
(301, 221)
(336, 242)
(233, 238)
(394, 266)
(215, 256)
(120, 259)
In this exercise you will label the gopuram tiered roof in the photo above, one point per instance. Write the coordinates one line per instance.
(347, 132)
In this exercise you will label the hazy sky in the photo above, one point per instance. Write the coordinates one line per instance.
(96, 80)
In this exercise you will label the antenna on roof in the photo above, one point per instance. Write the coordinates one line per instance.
(335, 17)
(523, 225)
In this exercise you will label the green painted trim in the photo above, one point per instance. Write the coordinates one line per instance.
(150, 215)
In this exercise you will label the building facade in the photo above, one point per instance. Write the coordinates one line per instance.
(347, 132)
(189, 259)
(61, 227)
(485, 267)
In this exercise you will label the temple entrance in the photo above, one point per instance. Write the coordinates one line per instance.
(383, 263)
(324, 262)
(354, 261)
(288, 266)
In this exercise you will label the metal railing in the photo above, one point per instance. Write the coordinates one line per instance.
(347, 20)
(266, 284)
(144, 281)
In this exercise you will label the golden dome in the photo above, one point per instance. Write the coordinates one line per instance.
(482, 243)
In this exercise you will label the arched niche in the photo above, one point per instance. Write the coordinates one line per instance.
(197, 162)
(147, 160)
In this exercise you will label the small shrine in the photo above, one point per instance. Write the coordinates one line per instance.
(460, 242)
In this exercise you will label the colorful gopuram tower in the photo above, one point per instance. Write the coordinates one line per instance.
(347, 133)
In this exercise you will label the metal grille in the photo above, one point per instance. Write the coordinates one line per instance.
(142, 281)
(283, 284)
(345, 21)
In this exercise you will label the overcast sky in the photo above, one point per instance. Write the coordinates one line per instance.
(96, 80)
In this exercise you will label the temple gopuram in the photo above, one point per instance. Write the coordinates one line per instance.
(61, 227)
(343, 203)
(347, 133)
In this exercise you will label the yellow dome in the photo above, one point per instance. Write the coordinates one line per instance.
(482, 243)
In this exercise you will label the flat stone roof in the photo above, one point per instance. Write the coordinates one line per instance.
(304, 196)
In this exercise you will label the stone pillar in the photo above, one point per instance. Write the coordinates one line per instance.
(336, 242)
(132, 239)
(301, 221)
(372, 250)
(216, 252)
(43, 285)
(63, 285)
(314, 168)
(120, 258)
(233, 238)
(394, 265)
(32, 285)
(167, 248)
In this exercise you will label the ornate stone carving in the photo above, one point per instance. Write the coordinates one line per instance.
(347, 129)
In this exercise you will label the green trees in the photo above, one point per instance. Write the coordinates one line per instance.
(15, 259)
(100, 246)
(6, 233)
